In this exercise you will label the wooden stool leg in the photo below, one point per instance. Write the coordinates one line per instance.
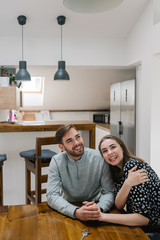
(38, 181)
(28, 184)
(1, 185)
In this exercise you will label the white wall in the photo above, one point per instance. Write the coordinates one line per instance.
(142, 44)
(4, 115)
(155, 114)
(88, 88)
(77, 51)
(156, 11)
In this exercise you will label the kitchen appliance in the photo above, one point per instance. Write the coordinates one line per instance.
(122, 112)
(101, 118)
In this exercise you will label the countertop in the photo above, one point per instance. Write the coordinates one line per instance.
(36, 126)
(104, 126)
(31, 126)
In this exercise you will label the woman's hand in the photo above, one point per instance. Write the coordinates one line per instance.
(136, 177)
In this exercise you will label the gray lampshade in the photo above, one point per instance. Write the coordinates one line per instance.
(61, 73)
(91, 6)
(23, 74)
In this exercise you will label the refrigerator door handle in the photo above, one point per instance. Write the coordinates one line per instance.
(114, 96)
(120, 128)
(126, 96)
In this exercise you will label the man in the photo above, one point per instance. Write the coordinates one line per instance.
(78, 174)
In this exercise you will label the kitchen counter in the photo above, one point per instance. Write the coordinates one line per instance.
(36, 126)
(104, 126)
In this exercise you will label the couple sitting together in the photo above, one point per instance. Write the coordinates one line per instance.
(80, 174)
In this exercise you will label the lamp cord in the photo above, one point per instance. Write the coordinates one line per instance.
(22, 42)
(61, 42)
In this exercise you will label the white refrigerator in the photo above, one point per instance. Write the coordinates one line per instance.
(122, 112)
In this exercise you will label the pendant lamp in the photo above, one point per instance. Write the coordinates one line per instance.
(61, 73)
(91, 6)
(22, 74)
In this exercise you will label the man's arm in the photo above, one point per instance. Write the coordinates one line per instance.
(57, 202)
(54, 198)
(107, 193)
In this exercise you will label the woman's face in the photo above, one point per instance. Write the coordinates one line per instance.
(112, 152)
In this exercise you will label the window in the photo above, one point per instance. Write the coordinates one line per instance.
(33, 92)
(33, 86)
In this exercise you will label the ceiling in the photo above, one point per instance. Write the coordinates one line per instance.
(41, 19)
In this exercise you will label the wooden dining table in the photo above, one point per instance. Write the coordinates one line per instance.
(40, 222)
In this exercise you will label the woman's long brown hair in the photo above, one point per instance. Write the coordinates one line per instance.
(116, 172)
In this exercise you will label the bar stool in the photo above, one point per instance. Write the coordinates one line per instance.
(3, 157)
(35, 160)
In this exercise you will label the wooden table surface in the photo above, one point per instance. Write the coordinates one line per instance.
(39, 222)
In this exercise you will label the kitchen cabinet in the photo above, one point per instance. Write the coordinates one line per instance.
(10, 97)
(101, 132)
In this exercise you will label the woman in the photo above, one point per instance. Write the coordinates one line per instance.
(137, 186)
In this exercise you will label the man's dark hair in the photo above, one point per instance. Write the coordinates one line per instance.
(62, 131)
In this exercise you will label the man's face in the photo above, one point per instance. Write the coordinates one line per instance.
(72, 143)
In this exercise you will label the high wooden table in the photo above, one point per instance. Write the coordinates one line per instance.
(36, 126)
(39, 222)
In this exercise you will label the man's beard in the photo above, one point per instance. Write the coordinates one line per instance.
(75, 154)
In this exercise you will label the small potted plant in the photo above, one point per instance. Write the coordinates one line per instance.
(12, 81)
(4, 79)
(4, 71)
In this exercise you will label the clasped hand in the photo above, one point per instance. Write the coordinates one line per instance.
(89, 211)
(136, 177)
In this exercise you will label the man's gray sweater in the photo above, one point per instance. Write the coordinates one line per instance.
(86, 179)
